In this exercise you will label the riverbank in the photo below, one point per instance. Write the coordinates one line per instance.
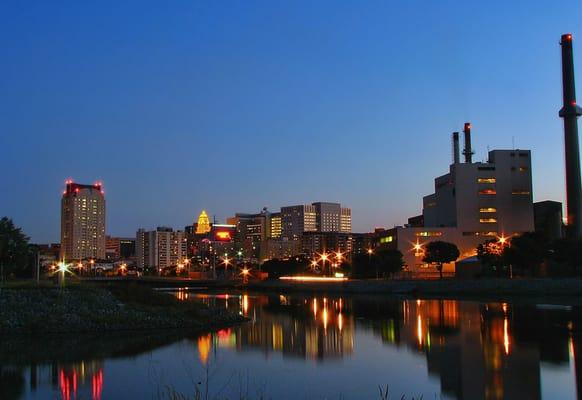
(439, 288)
(86, 308)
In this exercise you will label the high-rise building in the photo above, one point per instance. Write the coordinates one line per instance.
(298, 219)
(160, 249)
(251, 234)
(275, 225)
(82, 222)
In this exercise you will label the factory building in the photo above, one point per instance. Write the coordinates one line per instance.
(473, 202)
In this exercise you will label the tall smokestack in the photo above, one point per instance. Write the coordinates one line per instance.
(468, 152)
(570, 113)
(456, 157)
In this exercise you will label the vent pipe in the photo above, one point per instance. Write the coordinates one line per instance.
(456, 157)
(468, 152)
(570, 113)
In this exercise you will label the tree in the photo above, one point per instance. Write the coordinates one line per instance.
(276, 268)
(384, 261)
(439, 253)
(14, 249)
(526, 252)
(389, 261)
(490, 254)
(567, 256)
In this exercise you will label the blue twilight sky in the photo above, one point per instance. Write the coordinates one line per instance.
(235, 105)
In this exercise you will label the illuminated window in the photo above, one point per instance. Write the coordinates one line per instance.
(488, 210)
(428, 234)
(523, 169)
(387, 239)
(430, 204)
(489, 192)
(486, 180)
(488, 220)
(520, 192)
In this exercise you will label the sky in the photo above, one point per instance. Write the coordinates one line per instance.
(233, 106)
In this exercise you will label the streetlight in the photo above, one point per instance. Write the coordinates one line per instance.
(313, 264)
(92, 262)
(370, 252)
(62, 268)
(324, 258)
(245, 272)
(187, 262)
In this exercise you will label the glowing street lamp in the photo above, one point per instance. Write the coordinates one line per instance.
(62, 268)
(187, 262)
(226, 262)
(245, 272)
(313, 264)
(324, 258)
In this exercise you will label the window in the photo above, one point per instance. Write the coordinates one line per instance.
(429, 234)
(523, 169)
(520, 192)
(486, 180)
(488, 210)
(489, 192)
(486, 168)
(387, 239)
(488, 220)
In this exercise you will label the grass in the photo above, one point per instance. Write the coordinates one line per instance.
(83, 307)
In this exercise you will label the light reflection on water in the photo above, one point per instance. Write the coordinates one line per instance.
(305, 346)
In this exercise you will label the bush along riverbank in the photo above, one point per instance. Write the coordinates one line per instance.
(85, 308)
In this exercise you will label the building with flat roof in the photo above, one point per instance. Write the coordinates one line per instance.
(472, 203)
(161, 248)
(82, 222)
(549, 219)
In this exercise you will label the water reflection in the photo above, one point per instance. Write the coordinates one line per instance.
(468, 350)
(314, 328)
(476, 350)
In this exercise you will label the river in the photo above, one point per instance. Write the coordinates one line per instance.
(317, 347)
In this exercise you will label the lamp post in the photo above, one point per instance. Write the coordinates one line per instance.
(62, 269)
(324, 257)
(187, 262)
(370, 252)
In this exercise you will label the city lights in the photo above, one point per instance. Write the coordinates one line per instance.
(301, 278)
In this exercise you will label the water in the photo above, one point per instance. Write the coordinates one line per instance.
(316, 347)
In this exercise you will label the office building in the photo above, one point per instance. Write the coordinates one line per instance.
(82, 222)
(298, 219)
(117, 248)
(275, 225)
(252, 231)
(160, 249)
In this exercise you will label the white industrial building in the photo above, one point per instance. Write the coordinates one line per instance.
(472, 203)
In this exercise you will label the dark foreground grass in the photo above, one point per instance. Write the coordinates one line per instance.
(86, 308)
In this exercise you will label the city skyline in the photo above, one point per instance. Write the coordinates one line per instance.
(355, 109)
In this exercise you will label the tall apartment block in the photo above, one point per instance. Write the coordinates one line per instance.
(161, 248)
(82, 222)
